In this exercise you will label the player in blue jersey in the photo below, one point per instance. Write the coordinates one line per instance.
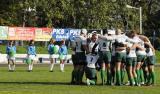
(31, 55)
(63, 51)
(11, 51)
(51, 53)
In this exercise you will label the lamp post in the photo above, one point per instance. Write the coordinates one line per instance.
(24, 18)
(140, 16)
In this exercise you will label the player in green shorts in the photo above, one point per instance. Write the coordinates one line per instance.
(141, 54)
(131, 62)
(150, 60)
(120, 45)
(92, 58)
(104, 43)
(73, 77)
(80, 52)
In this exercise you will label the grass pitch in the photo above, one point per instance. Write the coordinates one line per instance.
(41, 81)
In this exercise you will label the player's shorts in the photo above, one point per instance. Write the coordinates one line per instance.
(151, 60)
(131, 61)
(63, 57)
(12, 58)
(74, 59)
(32, 57)
(120, 57)
(90, 73)
(80, 58)
(52, 56)
(141, 58)
(105, 56)
(113, 60)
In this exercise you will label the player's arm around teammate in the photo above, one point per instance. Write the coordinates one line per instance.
(11, 51)
(104, 43)
(131, 62)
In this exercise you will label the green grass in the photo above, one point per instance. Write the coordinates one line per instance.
(41, 81)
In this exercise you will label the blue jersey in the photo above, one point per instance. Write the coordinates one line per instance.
(51, 49)
(63, 50)
(31, 50)
(10, 49)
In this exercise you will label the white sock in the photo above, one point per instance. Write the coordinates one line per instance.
(13, 67)
(9, 67)
(61, 67)
(51, 66)
(31, 66)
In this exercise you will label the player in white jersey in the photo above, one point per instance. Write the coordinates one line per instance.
(72, 45)
(104, 43)
(92, 58)
(120, 44)
(141, 55)
(113, 69)
(150, 61)
(131, 61)
(80, 53)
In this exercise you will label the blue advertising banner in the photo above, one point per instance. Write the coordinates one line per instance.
(59, 34)
(73, 33)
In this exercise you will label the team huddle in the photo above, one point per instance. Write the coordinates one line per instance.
(113, 55)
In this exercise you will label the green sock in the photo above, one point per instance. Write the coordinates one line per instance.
(149, 78)
(141, 75)
(103, 76)
(145, 77)
(81, 72)
(122, 75)
(108, 77)
(135, 79)
(131, 81)
(128, 75)
(77, 76)
(153, 77)
(92, 82)
(138, 75)
(73, 76)
(118, 77)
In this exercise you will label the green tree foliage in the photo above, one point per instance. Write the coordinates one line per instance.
(79, 13)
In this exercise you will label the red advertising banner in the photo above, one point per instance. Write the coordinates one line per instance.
(43, 34)
(20, 33)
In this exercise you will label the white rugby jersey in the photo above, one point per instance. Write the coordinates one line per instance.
(105, 43)
(132, 52)
(150, 53)
(91, 60)
(91, 45)
(79, 42)
(123, 39)
(141, 43)
(113, 48)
